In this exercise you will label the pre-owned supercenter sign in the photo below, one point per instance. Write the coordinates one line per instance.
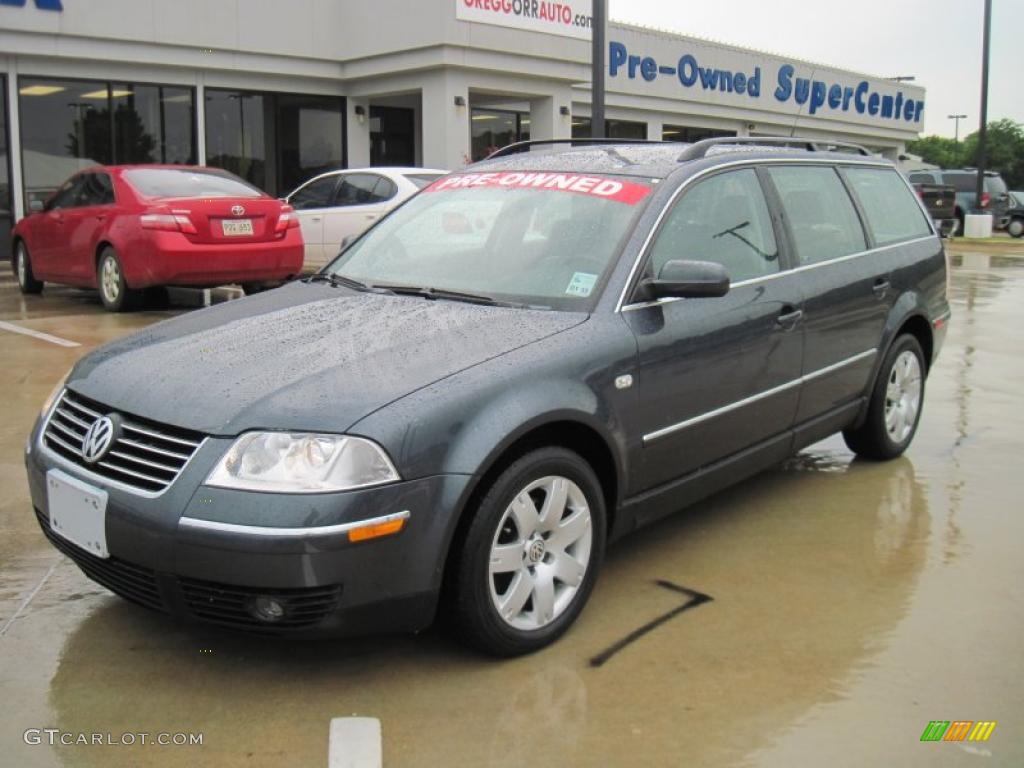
(570, 18)
(777, 86)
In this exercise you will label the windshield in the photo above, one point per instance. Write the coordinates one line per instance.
(188, 182)
(537, 238)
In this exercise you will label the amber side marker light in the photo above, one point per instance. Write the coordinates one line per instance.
(377, 531)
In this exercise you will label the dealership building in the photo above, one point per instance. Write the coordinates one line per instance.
(279, 91)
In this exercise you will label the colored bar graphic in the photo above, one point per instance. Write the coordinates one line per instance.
(982, 731)
(958, 730)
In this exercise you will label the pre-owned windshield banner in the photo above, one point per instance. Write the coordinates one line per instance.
(594, 186)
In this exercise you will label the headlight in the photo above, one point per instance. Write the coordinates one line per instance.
(52, 398)
(285, 462)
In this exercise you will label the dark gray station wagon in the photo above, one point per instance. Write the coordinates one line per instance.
(526, 361)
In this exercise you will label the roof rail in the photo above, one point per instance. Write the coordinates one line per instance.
(522, 146)
(699, 149)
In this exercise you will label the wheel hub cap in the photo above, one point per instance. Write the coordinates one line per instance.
(540, 553)
(903, 396)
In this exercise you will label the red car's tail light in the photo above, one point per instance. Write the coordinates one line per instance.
(287, 220)
(168, 222)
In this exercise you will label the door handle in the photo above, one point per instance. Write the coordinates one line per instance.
(881, 287)
(371, 216)
(101, 217)
(314, 218)
(789, 316)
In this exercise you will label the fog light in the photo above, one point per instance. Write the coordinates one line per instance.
(266, 608)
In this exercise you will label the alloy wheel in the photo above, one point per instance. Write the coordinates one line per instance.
(110, 279)
(540, 553)
(902, 396)
(21, 265)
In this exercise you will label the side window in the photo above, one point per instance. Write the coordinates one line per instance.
(891, 209)
(67, 195)
(723, 219)
(357, 189)
(96, 189)
(385, 190)
(316, 194)
(821, 215)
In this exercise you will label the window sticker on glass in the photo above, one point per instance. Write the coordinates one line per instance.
(620, 191)
(582, 284)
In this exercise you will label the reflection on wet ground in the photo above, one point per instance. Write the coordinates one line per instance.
(852, 603)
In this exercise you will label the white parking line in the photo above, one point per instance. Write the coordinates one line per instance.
(37, 335)
(355, 742)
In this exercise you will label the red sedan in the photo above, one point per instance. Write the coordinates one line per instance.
(122, 229)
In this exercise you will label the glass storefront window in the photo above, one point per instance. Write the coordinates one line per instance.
(153, 124)
(687, 134)
(614, 129)
(74, 124)
(491, 129)
(235, 134)
(274, 141)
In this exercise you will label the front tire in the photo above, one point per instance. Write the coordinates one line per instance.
(27, 282)
(531, 554)
(114, 291)
(1015, 228)
(895, 406)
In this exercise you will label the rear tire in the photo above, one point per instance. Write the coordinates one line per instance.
(895, 406)
(27, 282)
(114, 291)
(531, 554)
(1015, 228)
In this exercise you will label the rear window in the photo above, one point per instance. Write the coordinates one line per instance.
(188, 182)
(995, 185)
(423, 179)
(892, 212)
(922, 178)
(964, 182)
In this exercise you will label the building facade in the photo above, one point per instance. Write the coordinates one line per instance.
(277, 92)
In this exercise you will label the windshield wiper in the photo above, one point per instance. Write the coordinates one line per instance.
(444, 293)
(336, 280)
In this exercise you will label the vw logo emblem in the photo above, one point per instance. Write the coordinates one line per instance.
(98, 439)
(237, 210)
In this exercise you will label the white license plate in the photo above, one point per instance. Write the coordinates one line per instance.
(78, 512)
(236, 227)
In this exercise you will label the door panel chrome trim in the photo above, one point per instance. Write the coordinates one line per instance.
(652, 436)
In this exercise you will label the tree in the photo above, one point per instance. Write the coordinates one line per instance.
(1005, 151)
(937, 150)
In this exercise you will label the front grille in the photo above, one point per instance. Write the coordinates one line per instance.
(230, 605)
(146, 455)
(130, 581)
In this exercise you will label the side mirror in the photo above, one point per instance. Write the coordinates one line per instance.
(687, 280)
(35, 206)
(347, 242)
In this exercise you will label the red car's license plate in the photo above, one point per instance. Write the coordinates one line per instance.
(236, 227)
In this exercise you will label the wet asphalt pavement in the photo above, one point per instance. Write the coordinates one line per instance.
(851, 604)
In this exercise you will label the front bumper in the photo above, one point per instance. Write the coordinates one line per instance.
(214, 569)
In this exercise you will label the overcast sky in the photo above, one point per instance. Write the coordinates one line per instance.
(937, 41)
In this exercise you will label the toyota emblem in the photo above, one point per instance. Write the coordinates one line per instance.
(237, 210)
(98, 439)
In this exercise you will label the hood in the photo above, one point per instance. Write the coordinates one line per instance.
(303, 357)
